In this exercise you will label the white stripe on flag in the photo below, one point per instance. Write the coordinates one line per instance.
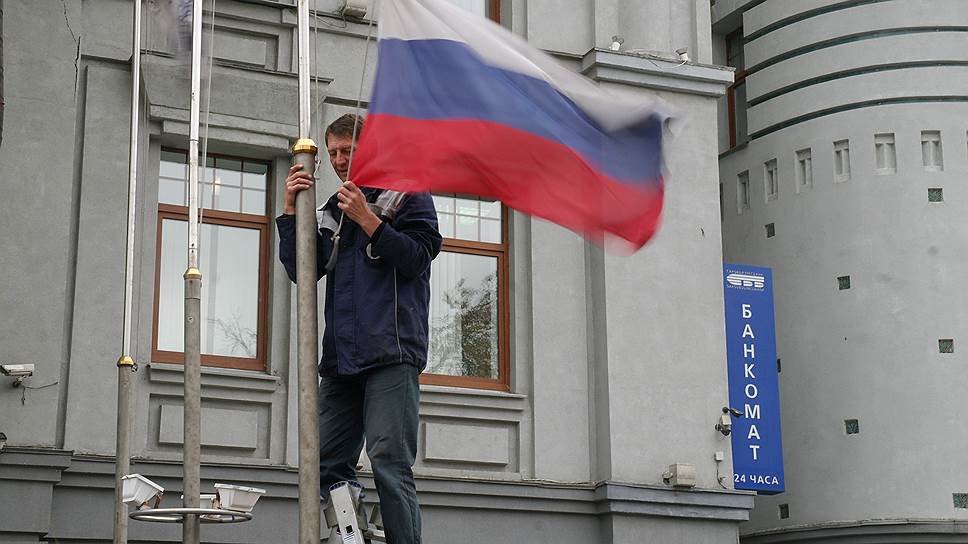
(500, 48)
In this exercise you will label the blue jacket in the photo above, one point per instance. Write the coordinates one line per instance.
(378, 294)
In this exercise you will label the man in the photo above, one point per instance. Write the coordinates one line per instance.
(375, 340)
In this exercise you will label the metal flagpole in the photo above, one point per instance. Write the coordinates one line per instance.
(304, 153)
(126, 364)
(191, 458)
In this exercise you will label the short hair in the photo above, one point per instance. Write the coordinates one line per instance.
(344, 127)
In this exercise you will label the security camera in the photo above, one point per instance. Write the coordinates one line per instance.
(725, 425)
(617, 42)
(683, 54)
(17, 371)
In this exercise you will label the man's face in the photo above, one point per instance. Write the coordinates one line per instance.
(340, 148)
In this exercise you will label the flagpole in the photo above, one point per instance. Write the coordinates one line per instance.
(122, 452)
(307, 336)
(191, 458)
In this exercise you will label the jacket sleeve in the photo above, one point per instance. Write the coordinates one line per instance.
(411, 240)
(286, 226)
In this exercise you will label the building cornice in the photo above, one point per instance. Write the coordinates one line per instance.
(655, 72)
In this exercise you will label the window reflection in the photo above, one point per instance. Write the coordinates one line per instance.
(464, 316)
(229, 185)
(469, 219)
(229, 261)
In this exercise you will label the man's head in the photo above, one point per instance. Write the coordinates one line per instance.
(340, 143)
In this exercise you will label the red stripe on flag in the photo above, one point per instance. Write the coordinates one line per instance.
(526, 172)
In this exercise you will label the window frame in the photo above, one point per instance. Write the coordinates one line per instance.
(494, 8)
(736, 57)
(743, 198)
(229, 219)
(804, 169)
(842, 160)
(771, 179)
(501, 252)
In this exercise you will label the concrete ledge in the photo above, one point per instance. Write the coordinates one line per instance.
(216, 378)
(882, 531)
(86, 489)
(668, 502)
(27, 481)
(652, 72)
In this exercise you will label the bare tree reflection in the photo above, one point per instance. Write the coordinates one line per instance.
(239, 339)
(465, 336)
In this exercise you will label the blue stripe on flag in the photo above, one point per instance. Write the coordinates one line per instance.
(444, 79)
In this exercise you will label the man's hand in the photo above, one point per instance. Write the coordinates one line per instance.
(297, 181)
(353, 204)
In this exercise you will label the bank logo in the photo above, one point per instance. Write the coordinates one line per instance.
(747, 280)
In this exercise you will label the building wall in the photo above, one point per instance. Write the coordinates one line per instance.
(611, 377)
(822, 72)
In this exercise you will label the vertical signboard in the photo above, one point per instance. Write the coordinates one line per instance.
(753, 381)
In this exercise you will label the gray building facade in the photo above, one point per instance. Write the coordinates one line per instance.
(599, 370)
(843, 155)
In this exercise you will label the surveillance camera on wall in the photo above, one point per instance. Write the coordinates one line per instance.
(725, 425)
(683, 54)
(17, 371)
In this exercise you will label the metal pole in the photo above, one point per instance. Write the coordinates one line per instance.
(122, 452)
(307, 336)
(193, 296)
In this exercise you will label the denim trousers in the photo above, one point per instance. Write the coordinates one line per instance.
(380, 405)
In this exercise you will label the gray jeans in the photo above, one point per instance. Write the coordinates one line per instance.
(380, 405)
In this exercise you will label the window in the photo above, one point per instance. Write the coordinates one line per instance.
(851, 426)
(960, 500)
(885, 154)
(469, 313)
(842, 160)
(233, 258)
(931, 151)
(736, 93)
(771, 180)
(843, 282)
(770, 230)
(488, 8)
(804, 169)
(743, 192)
(936, 194)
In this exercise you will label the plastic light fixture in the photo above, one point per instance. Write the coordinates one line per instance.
(138, 490)
(238, 498)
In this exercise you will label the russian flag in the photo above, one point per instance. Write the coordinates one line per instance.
(462, 105)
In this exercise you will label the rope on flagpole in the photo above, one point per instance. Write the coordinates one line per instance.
(208, 111)
(334, 254)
